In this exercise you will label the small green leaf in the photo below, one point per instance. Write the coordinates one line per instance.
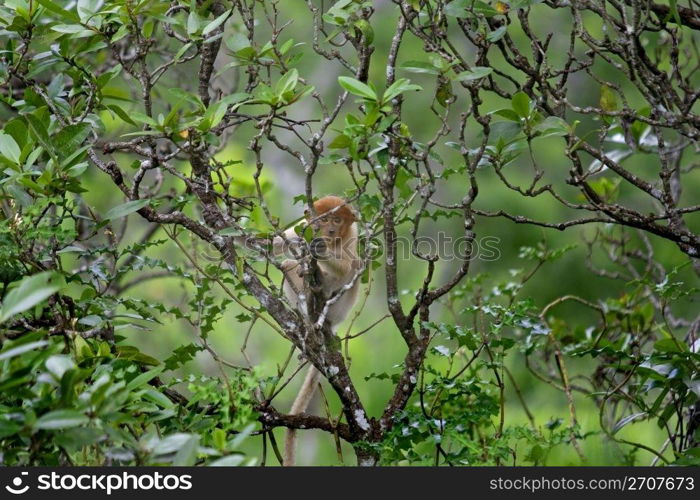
(552, 125)
(475, 73)
(521, 104)
(172, 443)
(72, 29)
(10, 428)
(61, 419)
(21, 349)
(673, 6)
(59, 364)
(508, 114)
(144, 378)
(420, 67)
(126, 209)
(121, 113)
(192, 21)
(187, 453)
(215, 23)
(228, 461)
(40, 133)
(71, 137)
(497, 34)
(187, 96)
(9, 148)
(443, 92)
(144, 118)
(399, 87)
(357, 87)
(340, 142)
(608, 99)
(669, 345)
(366, 29)
(288, 82)
(56, 9)
(32, 290)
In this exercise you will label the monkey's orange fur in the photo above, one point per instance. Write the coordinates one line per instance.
(334, 221)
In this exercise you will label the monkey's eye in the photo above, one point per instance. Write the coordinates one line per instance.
(336, 220)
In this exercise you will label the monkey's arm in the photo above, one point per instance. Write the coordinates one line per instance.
(276, 246)
(282, 245)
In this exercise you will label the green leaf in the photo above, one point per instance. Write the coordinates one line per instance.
(121, 113)
(41, 134)
(456, 8)
(172, 443)
(508, 114)
(187, 453)
(56, 9)
(669, 345)
(443, 92)
(59, 364)
(420, 67)
(366, 29)
(241, 436)
(192, 20)
(497, 34)
(521, 104)
(474, 74)
(144, 118)
(21, 349)
(399, 87)
(132, 353)
(82, 348)
(181, 355)
(61, 419)
(121, 33)
(182, 51)
(483, 8)
(32, 290)
(8, 428)
(552, 125)
(187, 96)
(673, 7)
(357, 87)
(126, 209)
(215, 23)
(77, 438)
(288, 82)
(72, 29)
(340, 142)
(144, 378)
(228, 461)
(216, 112)
(9, 148)
(71, 137)
(218, 436)
(608, 98)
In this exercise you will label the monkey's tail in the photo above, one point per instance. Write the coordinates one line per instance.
(301, 402)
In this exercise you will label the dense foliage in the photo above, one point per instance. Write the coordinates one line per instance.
(526, 176)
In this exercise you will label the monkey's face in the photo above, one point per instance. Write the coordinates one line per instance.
(330, 227)
(333, 220)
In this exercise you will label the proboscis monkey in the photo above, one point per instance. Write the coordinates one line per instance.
(334, 245)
